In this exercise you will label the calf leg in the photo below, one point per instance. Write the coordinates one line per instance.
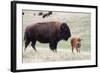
(33, 45)
(72, 45)
(77, 50)
(72, 49)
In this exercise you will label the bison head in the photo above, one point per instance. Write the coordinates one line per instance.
(65, 31)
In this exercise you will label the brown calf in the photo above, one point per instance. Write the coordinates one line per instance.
(76, 43)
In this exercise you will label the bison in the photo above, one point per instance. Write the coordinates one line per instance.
(46, 32)
(76, 43)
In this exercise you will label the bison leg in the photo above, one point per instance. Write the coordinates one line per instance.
(33, 45)
(77, 50)
(72, 49)
(26, 43)
(53, 46)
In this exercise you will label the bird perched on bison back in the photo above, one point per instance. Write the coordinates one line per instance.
(46, 32)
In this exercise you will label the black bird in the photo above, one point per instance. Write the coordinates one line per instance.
(47, 14)
(40, 14)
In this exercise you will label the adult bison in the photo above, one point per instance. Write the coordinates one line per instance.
(46, 32)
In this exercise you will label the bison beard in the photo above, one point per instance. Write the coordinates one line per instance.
(46, 32)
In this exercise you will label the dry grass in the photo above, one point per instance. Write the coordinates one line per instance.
(79, 24)
(46, 55)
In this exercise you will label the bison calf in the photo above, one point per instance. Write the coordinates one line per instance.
(76, 43)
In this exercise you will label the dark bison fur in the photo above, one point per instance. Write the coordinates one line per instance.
(46, 32)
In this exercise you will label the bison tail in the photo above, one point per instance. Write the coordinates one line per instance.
(26, 39)
(26, 36)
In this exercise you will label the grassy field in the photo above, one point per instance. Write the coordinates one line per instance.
(79, 24)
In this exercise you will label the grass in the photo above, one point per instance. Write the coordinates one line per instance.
(79, 24)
